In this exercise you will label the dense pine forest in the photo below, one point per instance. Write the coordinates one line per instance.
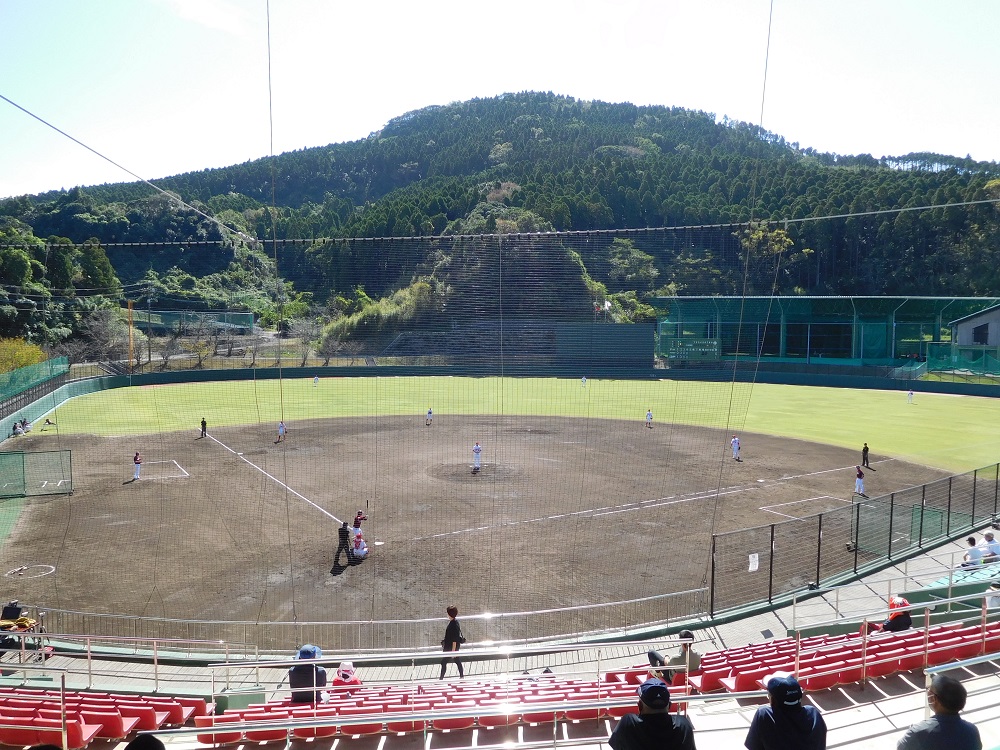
(510, 165)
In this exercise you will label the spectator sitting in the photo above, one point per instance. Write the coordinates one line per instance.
(993, 596)
(654, 726)
(346, 675)
(306, 680)
(786, 723)
(973, 556)
(686, 657)
(18, 430)
(945, 728)
(991, 548)
(899, 619)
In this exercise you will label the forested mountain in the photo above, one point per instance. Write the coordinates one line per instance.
(530, 162)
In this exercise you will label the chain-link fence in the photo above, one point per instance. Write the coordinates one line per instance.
(763, 563)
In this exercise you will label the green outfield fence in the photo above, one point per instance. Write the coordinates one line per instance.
(36, 473)
(26, 385)
(765, 563)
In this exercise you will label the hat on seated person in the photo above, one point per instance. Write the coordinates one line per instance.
(654, 693)
(785, 690)
(995, 586)
(346, 670)
(310, 651)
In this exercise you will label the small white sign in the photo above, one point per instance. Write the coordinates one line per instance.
(754, 562)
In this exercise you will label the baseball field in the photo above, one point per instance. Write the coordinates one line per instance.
(577, 502)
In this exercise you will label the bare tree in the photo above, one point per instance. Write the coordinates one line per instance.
(254, 342)
(306, 330)
(106, 335)
(200, 329)
(329, 347)
(170, 347)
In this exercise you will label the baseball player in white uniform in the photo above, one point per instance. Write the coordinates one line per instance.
(649, 418)
(430, 417)
(735, 442)
(477, 449)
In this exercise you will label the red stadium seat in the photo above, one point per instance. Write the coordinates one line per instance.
(265, 734)
(77, 735)
(370, 727)
(220, 737)
(403, 726)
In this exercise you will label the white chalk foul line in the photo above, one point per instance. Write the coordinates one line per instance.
(275, 479)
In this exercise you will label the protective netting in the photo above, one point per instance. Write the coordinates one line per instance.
(40, 473)
(23, 378)
(601, 478)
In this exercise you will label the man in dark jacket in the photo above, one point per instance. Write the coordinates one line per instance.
(945, 730)
(306, 680)
(654, 728)
(786, 724)
(343, 545)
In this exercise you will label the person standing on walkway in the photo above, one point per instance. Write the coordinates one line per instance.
(654, 727)
(945, 730)
(452, 641)
(137, 463)
(864, 456)
(859, 482)
(343, 545)
(204, 427)
(786, 723)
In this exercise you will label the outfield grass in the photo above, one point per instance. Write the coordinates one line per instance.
(955, 433)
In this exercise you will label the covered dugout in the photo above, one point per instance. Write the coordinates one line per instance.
(837, 330)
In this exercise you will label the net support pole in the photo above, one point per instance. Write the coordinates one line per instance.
(975, 476)
(996, 488)
(857, 533)
(923, 510)
(770, 568)
(711, 581)
(819, 547)
(947, 523)
(892, 503)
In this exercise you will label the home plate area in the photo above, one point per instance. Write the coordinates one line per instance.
(169, 469)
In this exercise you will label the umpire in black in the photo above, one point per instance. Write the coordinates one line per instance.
(343, 545)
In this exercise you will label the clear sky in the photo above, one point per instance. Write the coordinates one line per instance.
(170, 86)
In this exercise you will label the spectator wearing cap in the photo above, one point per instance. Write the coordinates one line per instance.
(973, 556)
(991, 548)
(346, 676)
(993, 596)
(686, 658)
(899, 618)
(945, 730)
(307, 680)
(654, 727)
(786, 724)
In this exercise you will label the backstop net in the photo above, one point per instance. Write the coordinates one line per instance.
(36, 473)
(496, 409)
